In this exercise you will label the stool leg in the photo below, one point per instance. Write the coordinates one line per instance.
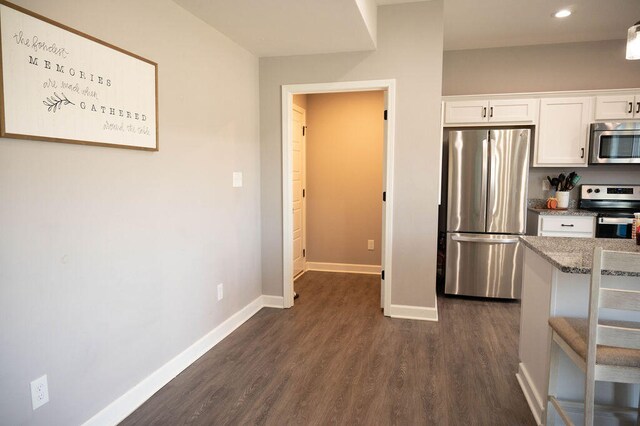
(589, 397)
(554, 358)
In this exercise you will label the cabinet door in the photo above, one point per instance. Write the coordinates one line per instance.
(615, 107)
(513, 110)
(461, 112)
(563, 132)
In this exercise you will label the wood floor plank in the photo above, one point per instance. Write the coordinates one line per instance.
(335, 359)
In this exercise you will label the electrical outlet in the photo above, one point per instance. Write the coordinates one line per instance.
(545, 185)
(39, 392)
(220, 291)
(370, 245)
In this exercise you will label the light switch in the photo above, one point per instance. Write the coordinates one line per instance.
(237, 179)
(370, 245)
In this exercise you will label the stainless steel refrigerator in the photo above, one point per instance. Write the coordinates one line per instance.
(487, 204)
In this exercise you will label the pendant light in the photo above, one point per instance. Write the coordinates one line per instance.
(633, 42)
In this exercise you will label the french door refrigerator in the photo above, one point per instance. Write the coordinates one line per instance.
(487, 204)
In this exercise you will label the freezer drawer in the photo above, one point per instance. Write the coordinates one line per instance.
(484, 265)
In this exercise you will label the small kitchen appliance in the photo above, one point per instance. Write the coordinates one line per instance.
(615, 143)
(615, 205)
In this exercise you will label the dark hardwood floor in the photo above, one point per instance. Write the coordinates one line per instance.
(335, 359)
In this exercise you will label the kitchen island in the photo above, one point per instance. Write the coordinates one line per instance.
(556, 279)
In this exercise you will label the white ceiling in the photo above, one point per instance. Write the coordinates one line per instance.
(293, 27)
(473, 24)
(287, 27)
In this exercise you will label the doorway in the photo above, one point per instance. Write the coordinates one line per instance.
(288, 173)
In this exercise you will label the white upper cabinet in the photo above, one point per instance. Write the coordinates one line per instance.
(491, 111)
(562, 135)
(465, 112)
(618, 107)
(513, 110)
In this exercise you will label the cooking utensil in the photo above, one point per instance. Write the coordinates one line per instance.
(574, 182)
(570, 180)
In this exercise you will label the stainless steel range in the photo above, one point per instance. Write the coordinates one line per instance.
(615, 205)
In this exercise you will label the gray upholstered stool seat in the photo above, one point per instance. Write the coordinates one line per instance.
(574, 332)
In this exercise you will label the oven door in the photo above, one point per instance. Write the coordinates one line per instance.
(615, 147)
(614, 227)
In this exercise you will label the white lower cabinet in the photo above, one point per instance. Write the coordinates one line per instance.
(562, 225)
(562, 137)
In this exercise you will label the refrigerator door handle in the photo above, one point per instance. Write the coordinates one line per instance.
(485, 178)
(489, 181)
(485, 240)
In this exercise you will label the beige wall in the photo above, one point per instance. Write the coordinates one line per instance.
(410, 51)
(300, 100)
(109, 258)
(344, 177)
(551, 67)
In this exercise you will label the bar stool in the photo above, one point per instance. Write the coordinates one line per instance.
(603, 350)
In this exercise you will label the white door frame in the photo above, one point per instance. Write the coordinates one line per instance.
(287, 175)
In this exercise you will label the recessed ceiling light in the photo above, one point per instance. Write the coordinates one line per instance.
(562, 13)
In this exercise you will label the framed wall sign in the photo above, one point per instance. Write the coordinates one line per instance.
(60, 85)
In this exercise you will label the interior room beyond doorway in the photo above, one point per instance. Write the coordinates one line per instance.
(338, 181)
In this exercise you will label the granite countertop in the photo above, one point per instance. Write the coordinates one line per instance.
(574, 255)
(567, 212)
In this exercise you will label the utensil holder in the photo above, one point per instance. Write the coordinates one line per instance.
(563, 199)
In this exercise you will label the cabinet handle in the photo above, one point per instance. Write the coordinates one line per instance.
(484, 112)
(630, 108)
(638, 108)
(568, 226)
(582, 153)
(491, 112)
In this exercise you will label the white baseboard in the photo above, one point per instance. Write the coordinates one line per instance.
(414, 312)
(343, 267)
(119, 409)
(530, 394)
(272, 301)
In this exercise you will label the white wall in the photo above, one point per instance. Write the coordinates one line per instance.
(541, 68)
(109, 258)
(410, 51)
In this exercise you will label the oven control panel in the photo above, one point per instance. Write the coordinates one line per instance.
(610, 192)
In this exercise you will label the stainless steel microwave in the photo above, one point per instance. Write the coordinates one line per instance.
(615, 143)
